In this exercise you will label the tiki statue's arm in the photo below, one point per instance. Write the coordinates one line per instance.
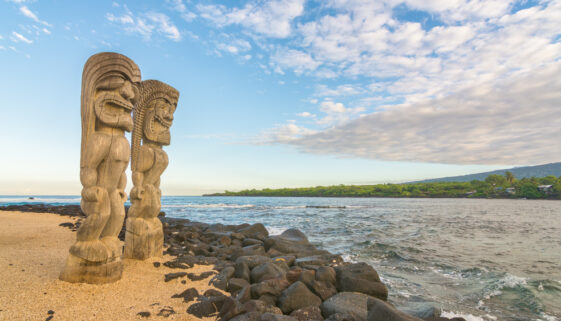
(97, 147)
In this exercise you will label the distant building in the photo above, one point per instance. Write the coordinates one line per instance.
(546, 188)
(510, 190)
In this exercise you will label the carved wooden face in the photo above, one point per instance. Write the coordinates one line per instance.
(114, 101)
(158, 121)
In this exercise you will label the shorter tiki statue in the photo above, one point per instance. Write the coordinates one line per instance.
(153, 116)
(109, 82)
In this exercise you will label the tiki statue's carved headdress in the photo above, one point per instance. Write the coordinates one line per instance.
(153, 115)
(108, 81)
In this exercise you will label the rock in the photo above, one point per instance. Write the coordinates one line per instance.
(307, 276)
(166, 312)
(213, 292)
(324, 259)
(249, 316)
(290, 241)
(187, 295)
(379, 310)
(276, 317)
(235, 285)
(273, 287)
(255, 231)
(50, 312)
(144, 314)
(341, 317)
(310, 313)
(327, 274)
(249, 250)
(422, 310)
(156, 264)
(351, 303)
(294, 274)
(172, 276)
(249, 241)
(288, 259)
(230, 308)
(253, 260)
(269, 299)
(360, 277)
(206, 307)
(323, 289)
(297, 296)
(202, 276)
(244, 295)
(267, 271)
(242, 271)
(261, 307)
(221, 279)
(225, 241)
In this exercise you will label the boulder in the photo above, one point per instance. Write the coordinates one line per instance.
(341, 317)
(221, 279)
(230, 308)
(267, 271)
(235, 285)
(255, 231)
(249, 241)
(379, 310)
(351, 303)
(297, 296)
(360, 277)
(276, 317)
(323, 289)
(260, 306)
(326, 273)
(249, 316)
(290, 241)
(272, 287)
(187, 295)
(310, 313)
(253, 260)
(318, 260)
(242, 271)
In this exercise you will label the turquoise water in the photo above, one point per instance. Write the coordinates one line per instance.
(482, 259)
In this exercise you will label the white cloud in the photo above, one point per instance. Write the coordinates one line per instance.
(273, 18)
(146, 24)
(296, 60)
(306, 114)
(233, 46)
(16, 37)
(517, 121)
(283, 134)
(28, 13)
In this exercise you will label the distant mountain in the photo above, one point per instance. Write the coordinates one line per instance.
(518, 172)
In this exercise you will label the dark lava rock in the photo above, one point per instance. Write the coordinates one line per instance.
(297, 296)
(171, 276)
(166, 312)
(207, 306)
(311, 313)
(326, 273)
(213, 292)
(351, 303)
(249, 250)
(307, 276)
(230, 308)
(267, 271)
(157, 264)
(288, 259)
(290, 241)
(67, 224)
(244, 295)
(221, 279)
(379, 310)
(202, 276)
(187, 295)
(249, 241)
(235, 285)
(360, 277)
(269, 299)
(144, 314)
(422, 310)
(260, 306)
(249, 316)
(253, 260)
(242, 271)
(49, 318)
(341, 317)
(294, 274)
(276, 317)
(323, 289)
(255, 231)
(273, 287)
(323, 259)
(50, 312)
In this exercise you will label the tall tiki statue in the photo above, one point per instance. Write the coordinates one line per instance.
(153, 116)
(109, 90)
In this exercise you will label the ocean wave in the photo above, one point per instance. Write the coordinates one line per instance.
(275, 230)
(466, 316)
(218, 205)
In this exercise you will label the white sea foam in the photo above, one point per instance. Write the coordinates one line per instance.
(466, 316)
(275, 230)
(547, 317)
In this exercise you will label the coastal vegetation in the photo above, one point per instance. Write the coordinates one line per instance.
(494, 186)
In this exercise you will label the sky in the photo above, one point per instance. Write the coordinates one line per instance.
(291, 93)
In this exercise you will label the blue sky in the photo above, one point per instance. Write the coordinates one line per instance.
(292, 92)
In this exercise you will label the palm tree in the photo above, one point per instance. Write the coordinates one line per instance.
(509, 177)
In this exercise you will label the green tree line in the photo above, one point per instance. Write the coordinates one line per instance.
(494, 186)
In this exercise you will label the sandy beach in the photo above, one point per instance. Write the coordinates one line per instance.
(33, 250)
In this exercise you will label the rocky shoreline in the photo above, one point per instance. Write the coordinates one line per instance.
(269, 278)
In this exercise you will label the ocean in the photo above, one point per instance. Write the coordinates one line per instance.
(476, 258)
